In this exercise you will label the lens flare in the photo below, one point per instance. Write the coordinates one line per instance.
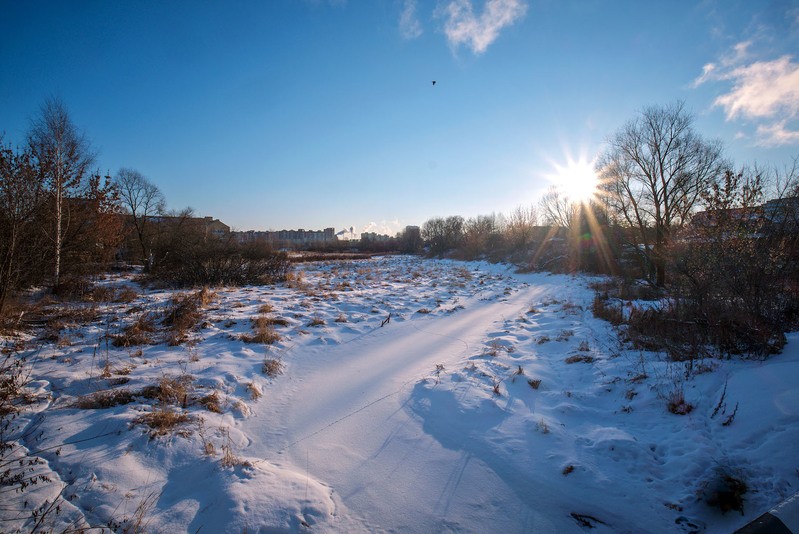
(576, 180)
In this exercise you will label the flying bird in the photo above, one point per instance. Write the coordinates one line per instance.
(434, 82)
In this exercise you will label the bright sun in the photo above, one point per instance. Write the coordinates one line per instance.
(577, 180)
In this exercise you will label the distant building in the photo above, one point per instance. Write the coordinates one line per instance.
(288, 237)
(209, 225)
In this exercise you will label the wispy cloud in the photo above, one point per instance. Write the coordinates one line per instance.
(763, 89)
(463, 27)
(776, 134)
(765, 92)
(409, 25)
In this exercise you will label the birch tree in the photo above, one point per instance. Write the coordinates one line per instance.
(63, 155)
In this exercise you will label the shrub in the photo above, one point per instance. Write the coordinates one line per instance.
(187, 257)
(725, 491)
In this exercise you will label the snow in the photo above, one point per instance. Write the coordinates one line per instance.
(426, 424)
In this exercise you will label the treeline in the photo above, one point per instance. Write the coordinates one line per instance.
(720, 245)
(61, 220)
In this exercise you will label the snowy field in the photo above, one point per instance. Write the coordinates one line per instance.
(490, 402)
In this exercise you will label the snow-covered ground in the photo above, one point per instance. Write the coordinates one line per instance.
(490, 402)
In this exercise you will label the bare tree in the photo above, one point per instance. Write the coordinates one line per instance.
(557, 209)
(653, 172)
(443, 234)
(520, 226)
(481, 235)
(142, 200)
(63, 155)
(21, 193)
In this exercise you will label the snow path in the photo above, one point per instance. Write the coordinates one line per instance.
(344, 418)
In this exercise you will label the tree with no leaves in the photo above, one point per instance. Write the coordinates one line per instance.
(142, 200)
(21, 192)
(653, 173)
(557, 209)
(63, 155)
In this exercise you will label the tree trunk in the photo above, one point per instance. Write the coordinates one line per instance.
(58, 207)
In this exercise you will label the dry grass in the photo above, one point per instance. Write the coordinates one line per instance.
(162, 420)
(183, 313)
(564, 335)
(495, 387)
(542, 427)
(578, 358)
(341, 318)
(211, 402)
(535, 383)
(139, 332)
(272, 367)
(255, 391)
(170, 390)
(107, 398)
(495, 347)
(677, 403)
(317, 321)
(602, 308)
(424, 311)
(263, 331)
(266, 308)
(126, 295)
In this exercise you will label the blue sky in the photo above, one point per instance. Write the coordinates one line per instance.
(314, 113)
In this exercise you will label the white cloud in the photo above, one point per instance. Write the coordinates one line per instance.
(409, 25)
(462, 27)
(762, 89)
(776, 134)
(764, 92)
(709, 71)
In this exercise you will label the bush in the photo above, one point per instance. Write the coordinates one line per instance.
(725, 491)
(183, 312)
(191, 260)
